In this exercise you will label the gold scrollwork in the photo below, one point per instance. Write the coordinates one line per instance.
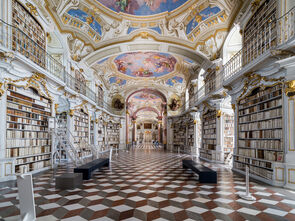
(32, 8)
(233, 106)
(71, 113)
(2, 91)
(218, 113)
(34, 81)
(55, 107)
(253, 81)
(290, 88)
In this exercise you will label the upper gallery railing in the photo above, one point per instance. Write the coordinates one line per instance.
(275, 34)
(14, 39)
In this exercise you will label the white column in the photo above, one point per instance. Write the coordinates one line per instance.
(95, 131)
(122, 133)
(6, 10)
(289, 144)
(219, 138)
(3, 126)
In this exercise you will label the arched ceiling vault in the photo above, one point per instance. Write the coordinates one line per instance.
(157, 44)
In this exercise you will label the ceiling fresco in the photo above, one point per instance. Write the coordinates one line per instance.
(117, 81)
(84, 17)
(172, 81)
(145, 64)
(142, 7)
(201, 16)
(145, 99)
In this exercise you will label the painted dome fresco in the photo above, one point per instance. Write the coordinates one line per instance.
(145, 64)
(142, 7)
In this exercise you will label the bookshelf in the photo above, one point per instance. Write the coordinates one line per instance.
(179, 135)
(113, 134)
(228, 135)
(191, 134)
(62, 128)
(81, 131)
(209, 138)
(23, 20)
(92, 132)
(28, 138)
(210, 81)
(260, 132)
(100, 134)
(260, 32)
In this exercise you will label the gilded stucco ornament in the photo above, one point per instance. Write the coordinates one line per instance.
(290, 88)
(36, 81)
(32, 9)
(55, 107)
(256, 80)
(218, 113)
(233, 106)
(254, 5)
(2, 91)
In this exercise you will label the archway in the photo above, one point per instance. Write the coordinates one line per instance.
(146, 116)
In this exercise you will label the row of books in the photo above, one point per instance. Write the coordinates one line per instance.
(267, 95)
(262, 93)
(16, 105)
(26, 95)
(32, 159)
(276, 133)
(24, 127)
(209, 136)
(211, 126)
(261, 116)
(25, 134)
(267, 174)
(19, 113)
(262, 125)
(27, 142)
(247, 152)
(32, 166)
(27, 151)
(262, 144)
(20, 120)
(261, 107)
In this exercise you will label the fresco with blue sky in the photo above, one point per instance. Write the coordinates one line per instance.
(203, 15)
(142, 7)
(172, 81)
(84, 17)
(117, 81)
(145, 64)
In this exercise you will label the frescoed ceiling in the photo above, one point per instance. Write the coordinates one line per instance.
(142, 7)
(145, 99)
(135, 44)
(145, 64)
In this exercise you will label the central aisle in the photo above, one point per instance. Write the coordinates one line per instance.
(149, 184)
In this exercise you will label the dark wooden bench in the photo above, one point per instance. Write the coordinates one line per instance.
(88, 168)
(206, 175)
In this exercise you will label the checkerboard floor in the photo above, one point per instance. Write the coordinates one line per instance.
(152, 185)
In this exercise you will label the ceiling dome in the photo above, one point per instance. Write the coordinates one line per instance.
(142, 7)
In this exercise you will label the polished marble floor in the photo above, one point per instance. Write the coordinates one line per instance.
(147, 184)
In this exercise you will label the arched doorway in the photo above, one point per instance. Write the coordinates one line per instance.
(146, 116)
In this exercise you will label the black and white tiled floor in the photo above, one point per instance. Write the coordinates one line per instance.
(151, 185)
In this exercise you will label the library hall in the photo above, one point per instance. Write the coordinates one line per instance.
(141, 110)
